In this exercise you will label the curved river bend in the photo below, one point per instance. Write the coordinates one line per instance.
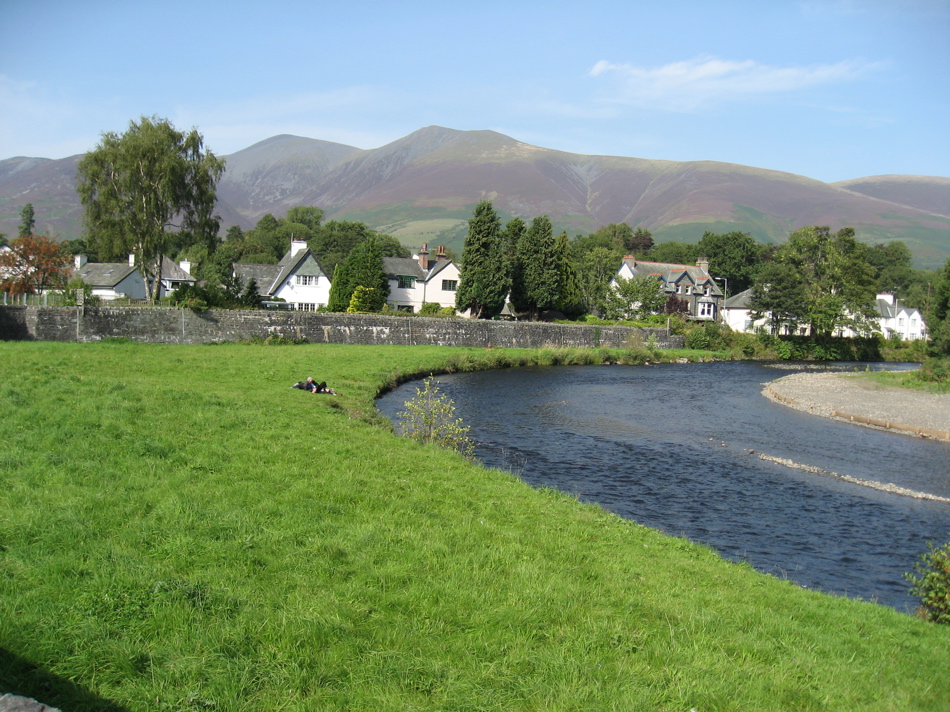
(668, 446)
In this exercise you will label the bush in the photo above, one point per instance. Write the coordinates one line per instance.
(430, 309)
(934, 370)
(429, 417)
(931, 583)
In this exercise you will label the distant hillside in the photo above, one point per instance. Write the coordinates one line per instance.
(924, 192)
(422, 188)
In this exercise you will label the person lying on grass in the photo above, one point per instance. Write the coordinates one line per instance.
(314, 387)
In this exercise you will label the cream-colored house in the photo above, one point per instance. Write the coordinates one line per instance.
(414, 281)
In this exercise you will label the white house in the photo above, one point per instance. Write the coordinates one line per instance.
(297, 280)
(691, 284)
(118, 280)
(893, 318)
(414, 281)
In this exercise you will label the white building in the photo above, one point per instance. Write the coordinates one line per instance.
(118, 280)
(297, 280)
(414, 281)
(893, 318)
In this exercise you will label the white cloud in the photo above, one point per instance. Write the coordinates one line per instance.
(694, 83)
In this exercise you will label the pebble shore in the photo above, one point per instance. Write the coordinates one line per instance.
(855, 400)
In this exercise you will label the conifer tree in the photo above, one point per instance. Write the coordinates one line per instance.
(362, 268)
(570, 299)
(537, 255)
(483, 277)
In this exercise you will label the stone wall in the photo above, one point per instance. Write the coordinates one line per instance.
(161, 325)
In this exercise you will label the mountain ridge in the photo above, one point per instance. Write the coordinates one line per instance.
(423, 186)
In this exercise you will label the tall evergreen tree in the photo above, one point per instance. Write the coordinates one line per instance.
(570, 300)
(514, 233)
(483, 278)
(540, 272)
(362, 268)
(27, 220)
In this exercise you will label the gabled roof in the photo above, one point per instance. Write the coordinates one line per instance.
(402, 267)
(738, 301)
(270, 277)
(670, 273)
(174, 272)
(395, 267)
(104, 274)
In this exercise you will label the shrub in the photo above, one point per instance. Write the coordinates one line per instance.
(430, 309)
(934, 370)
(429, 417)
(931, 583)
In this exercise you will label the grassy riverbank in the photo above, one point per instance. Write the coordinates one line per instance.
(180, 530)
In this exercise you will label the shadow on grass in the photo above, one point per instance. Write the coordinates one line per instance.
(19, 676)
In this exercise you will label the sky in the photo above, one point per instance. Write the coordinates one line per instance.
(829, 89)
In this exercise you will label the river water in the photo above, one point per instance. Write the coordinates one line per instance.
(669, 446)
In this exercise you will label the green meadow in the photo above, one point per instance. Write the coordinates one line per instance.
(181, 530)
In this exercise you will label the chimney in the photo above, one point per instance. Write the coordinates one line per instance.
(132, 260)
(296, 246)
(80, 261)
(440, 255)
(703, 264)
(887, 297)
(185, 266)
(424, 257)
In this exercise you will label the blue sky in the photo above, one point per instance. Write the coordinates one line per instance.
(831, 89)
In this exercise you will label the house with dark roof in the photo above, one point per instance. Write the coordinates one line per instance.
(121, 280)
(297, 280)
(414, 281)
(691, 284)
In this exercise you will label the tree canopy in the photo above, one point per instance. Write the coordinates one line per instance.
(33, 262)
(140, 188)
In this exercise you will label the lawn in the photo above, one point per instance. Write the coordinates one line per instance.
(181, 530)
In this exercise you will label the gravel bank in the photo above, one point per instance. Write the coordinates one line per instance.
(844, 397)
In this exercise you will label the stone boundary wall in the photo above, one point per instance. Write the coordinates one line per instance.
(161, 325)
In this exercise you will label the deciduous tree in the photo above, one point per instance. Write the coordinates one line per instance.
(139, 187)
(634, 298)
(32, 263)
(733, 255)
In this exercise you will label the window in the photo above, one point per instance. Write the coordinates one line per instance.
(404, 308)
(706, 310)
(689, 289)
(306, 307)
(407, 282)
(449, 285)
(306, 280)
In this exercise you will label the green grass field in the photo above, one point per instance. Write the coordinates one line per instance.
(180, 530)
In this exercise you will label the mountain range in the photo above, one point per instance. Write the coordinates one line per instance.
(423, 187)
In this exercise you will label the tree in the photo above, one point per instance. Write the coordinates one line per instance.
(139, 187)
(595, 269)
(733, 255)
(677, 253)
(28, 220)
(938, 315)
(820, 279)
(634, 298)
(640, 243)
(483, 276)
(536, 287)
(362, 268)
(570, 300)
(779, 296)
(307, 215)
(32, 263)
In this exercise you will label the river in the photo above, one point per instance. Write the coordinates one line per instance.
(674, 447)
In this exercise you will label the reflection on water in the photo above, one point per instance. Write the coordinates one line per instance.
(670, 446)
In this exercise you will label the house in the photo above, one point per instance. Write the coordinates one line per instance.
(892, 319)
(414, 281)
(689, 283)
(297, 280)
(896, 319)
(122, 280)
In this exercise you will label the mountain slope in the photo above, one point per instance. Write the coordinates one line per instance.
(422, 188)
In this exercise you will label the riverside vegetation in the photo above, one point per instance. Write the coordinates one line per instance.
(180, 530)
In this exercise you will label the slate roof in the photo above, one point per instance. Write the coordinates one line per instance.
(104, 274)
(671, 274)
(739, 301)
(270, 277)
(174, 272)
(409, 267)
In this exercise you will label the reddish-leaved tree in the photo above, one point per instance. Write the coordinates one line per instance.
(33, 262)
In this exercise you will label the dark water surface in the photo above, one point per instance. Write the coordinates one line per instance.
(667, 445)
